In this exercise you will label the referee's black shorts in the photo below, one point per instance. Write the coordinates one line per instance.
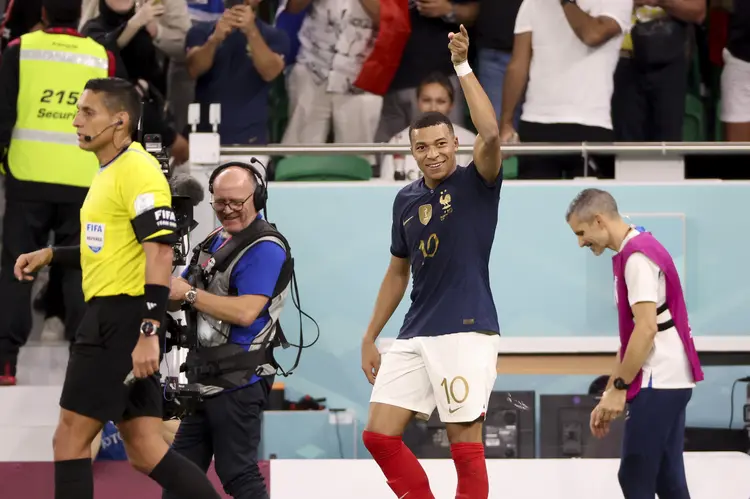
(100, 360)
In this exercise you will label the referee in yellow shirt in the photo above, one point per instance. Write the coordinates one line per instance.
(125, 254)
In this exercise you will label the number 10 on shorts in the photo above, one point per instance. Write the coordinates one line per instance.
(456, 390)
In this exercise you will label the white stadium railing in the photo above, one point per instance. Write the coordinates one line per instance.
(673, 149)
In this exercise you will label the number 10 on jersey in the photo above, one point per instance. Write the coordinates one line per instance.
(429, 247)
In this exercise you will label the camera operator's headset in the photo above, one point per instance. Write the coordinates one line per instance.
(260, 198)
(260, 194)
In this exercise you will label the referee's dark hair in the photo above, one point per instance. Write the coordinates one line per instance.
(62, 12)
(431, 118)
(119, 95)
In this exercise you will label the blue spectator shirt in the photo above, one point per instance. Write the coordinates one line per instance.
(205, 10)
(234, 83)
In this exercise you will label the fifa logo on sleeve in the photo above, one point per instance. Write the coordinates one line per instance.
(165, 219)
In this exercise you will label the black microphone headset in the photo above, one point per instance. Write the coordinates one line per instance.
(260, 194)
(89, 138)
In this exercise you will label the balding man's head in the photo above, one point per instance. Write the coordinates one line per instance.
(233, 190)
(235, 176)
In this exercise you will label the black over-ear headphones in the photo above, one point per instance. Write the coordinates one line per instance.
(260, 195)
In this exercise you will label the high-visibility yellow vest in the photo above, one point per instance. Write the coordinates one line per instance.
(53, 69)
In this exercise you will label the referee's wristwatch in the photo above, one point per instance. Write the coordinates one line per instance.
(565, 2)
(149, 328)
(620, 384)
(191, 296)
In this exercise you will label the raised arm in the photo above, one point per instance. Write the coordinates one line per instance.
(201, 47)
(267, 54)
(691, 11)
(487, 157)
(595, 29)
(172, 29)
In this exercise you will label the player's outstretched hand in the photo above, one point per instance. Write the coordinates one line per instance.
(29, 263)
(370, 360)
(146, 356)
(459, 46)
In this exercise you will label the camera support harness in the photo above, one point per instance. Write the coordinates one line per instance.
(221, 364)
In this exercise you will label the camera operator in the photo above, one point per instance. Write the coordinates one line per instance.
(235, 311)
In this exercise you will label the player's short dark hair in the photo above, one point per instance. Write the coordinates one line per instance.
(431, 118)
(441, 80)
(66, 12)
(591, 202)
(119, 95)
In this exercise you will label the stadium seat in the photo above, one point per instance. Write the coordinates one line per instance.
(510, 168)
(694, 127)
(323, 168)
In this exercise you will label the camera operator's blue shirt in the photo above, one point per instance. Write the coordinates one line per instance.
(255, 273)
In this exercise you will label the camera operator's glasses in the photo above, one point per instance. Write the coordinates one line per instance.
(234, 205)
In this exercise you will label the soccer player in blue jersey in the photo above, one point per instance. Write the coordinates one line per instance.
(446, 352)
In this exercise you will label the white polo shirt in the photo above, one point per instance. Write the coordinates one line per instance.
(667, 366)
(570, 82)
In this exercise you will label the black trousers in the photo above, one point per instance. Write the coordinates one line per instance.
(552, 167)
(227, 427)
(648, 104)
(26, 228)
(49, 301)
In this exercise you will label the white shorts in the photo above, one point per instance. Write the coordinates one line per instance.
(455, 372)
(735, 90)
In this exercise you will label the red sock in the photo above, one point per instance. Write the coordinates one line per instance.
(405, 475)
(471, 468)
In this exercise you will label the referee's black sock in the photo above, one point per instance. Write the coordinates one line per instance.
(177, 474)
(74, 479)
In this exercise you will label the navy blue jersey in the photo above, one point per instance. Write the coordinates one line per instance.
(447, 235)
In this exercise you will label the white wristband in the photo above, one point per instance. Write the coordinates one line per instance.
(462, 69)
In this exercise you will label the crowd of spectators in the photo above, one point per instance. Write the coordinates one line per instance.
(317, 71)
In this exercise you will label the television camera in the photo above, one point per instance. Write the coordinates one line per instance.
(182, 399)
(179, 399)
(187, 193)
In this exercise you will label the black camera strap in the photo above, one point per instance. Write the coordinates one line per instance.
(219, 261)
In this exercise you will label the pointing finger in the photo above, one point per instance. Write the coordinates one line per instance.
(463, 31)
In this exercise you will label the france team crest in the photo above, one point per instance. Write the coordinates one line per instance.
(94, 236)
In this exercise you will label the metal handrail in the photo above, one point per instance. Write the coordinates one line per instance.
(584, 149)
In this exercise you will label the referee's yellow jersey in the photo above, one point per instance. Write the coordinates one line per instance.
(129, 202)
